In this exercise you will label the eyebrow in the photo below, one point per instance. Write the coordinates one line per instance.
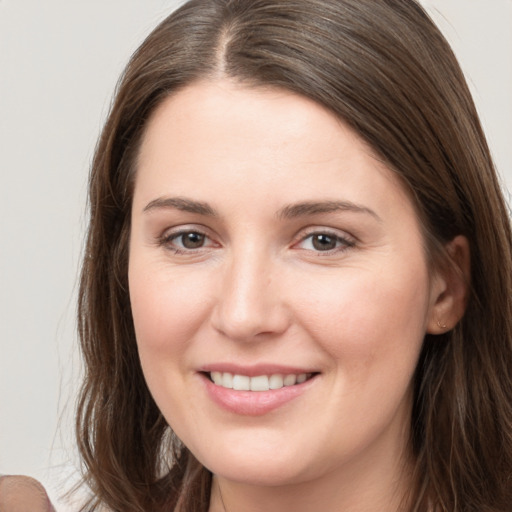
(318, 207)
(291, 211)
(183, 204)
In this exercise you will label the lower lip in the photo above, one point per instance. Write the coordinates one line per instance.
(254, 403)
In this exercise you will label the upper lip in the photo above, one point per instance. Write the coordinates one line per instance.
(255, 370)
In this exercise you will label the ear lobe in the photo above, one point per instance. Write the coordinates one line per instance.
(450, 289)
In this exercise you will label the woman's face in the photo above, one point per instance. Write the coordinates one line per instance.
(269, 246)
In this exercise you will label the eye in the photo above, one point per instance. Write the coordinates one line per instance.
(186, 240)
(190, 240)
(322, 241)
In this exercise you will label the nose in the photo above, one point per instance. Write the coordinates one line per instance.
(250, 305)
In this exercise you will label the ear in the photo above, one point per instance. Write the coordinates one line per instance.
(450, 288)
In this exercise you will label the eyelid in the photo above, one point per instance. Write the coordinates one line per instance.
(170, 234)
(346, 239)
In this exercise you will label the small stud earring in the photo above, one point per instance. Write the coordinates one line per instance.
(441, 325)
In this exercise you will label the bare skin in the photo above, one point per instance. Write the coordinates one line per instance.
(23, 494)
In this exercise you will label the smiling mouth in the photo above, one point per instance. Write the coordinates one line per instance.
(258, 383)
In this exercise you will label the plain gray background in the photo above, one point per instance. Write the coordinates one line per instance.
(59, 62)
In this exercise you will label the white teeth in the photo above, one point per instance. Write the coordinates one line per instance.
(259, 383)
(217, 378)
(227, 380)
(290, 380)
(241, 383)
(275, 382)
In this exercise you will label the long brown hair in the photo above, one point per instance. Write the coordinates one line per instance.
(385, 70)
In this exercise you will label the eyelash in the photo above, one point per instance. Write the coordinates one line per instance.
(167, 240)
(342, 243)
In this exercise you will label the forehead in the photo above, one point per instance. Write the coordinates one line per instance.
(224, 112)
(282, 146)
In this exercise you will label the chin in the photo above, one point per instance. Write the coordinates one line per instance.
(256, 467)
(269, 475)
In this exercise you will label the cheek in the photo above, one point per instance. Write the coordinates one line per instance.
(167, 307)
(168, 310)
(370, 323)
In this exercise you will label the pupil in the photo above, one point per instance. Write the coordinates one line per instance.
(193, 240)
(324, 242)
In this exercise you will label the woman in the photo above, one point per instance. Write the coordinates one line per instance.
(296, 287)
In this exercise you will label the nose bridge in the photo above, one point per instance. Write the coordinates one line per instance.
(250, 302)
